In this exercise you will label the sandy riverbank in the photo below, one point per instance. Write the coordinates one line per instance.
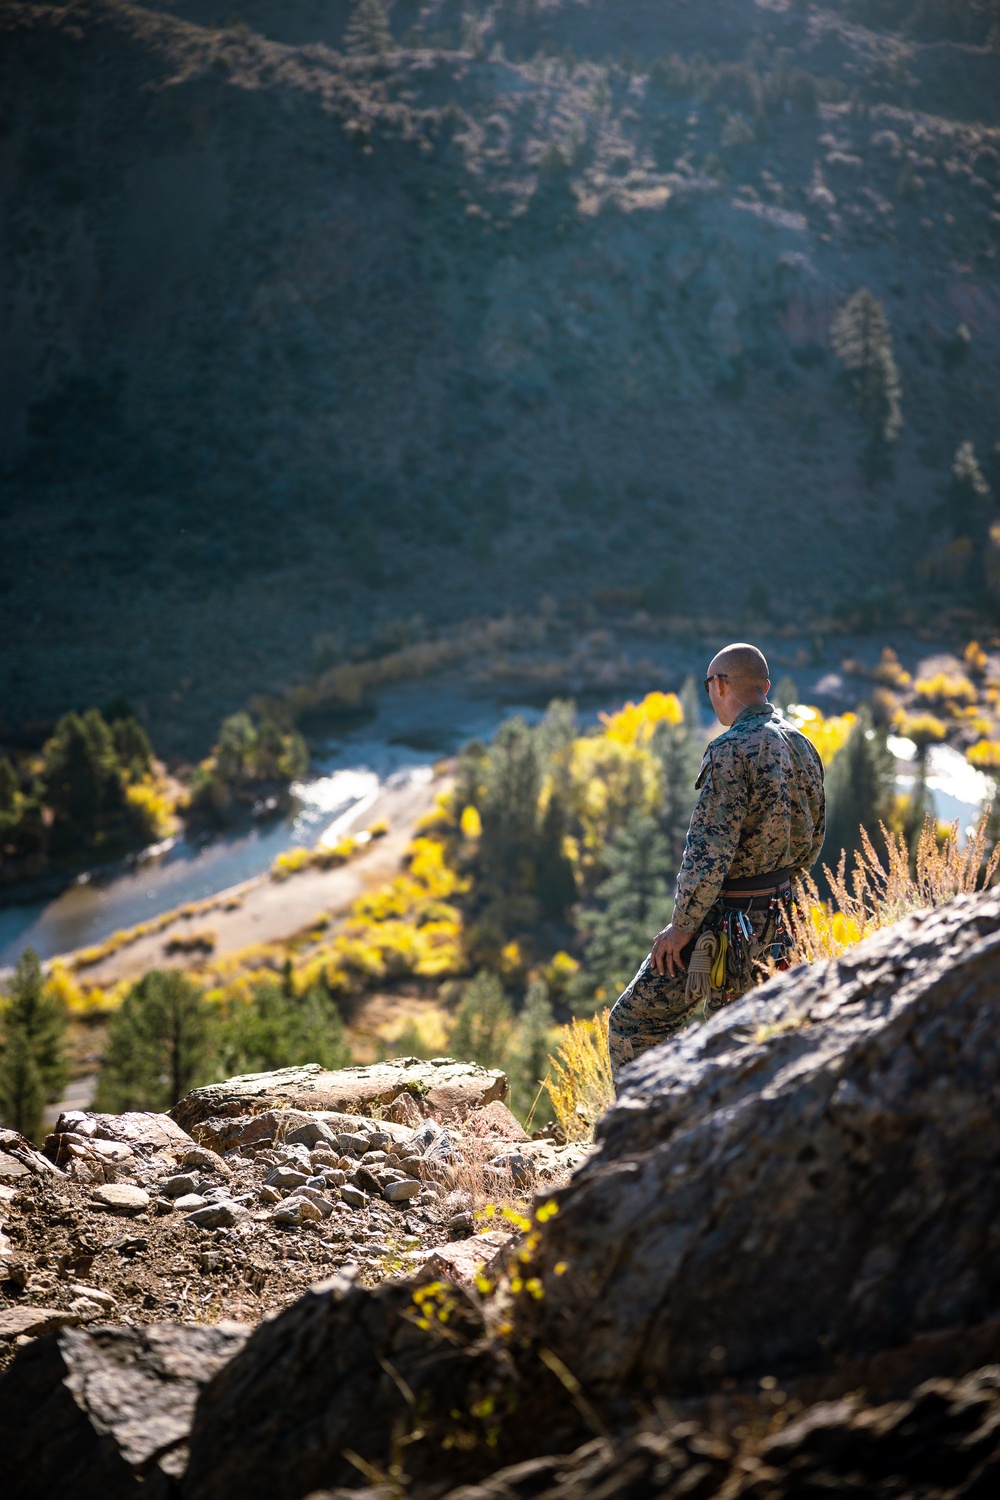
(263, 910)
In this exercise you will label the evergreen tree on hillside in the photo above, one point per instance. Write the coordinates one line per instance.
(277, 1028)
(632, 905)
(368, 30)
(509, 809)
(10, 790)
(679, 749)
(160, 1044)
(860, 786)
(82, 779)
(556, 883)
(970, 499)
(33, 1067)
(484, 1022)
(132, 747)
(529, 1062)
(863, 343)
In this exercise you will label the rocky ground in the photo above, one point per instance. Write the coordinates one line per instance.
(775, 1276)
(130, 1219)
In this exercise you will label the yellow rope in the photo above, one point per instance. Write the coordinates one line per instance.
(699, 976)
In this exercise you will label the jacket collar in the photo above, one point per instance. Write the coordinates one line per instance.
(752, 710)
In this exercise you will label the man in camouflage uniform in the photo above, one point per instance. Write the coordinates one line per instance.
(757, 826)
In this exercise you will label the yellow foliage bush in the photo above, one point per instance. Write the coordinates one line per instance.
(922, 728)
(946, 688)
(579, 1082)
(290, 862)
(828, 735)
(985, 755)
(890, 672)
(635, 724)
(471, 823)
(975, 658)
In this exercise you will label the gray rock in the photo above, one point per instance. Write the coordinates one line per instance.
(811, 1174)
(120, 1198)
(311, 1134)
(11, 1168)
(401, 1191)
(317, 1199)
(217, 1215)
(29, 1322)
(449, 1088)
(19, 1152)
(188, 1202)
(373, 1159)
(177, 1187)
(516, 1166)
(206, 1160)
(352, 1144)
(352, 1196)
(286, 1177)
(90, 1413)
(297, 1209)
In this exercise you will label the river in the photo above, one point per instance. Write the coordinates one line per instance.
(412, 725)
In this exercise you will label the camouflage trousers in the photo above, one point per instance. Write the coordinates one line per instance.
(655, 1008)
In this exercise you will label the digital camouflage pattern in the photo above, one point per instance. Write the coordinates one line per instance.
(761, 807)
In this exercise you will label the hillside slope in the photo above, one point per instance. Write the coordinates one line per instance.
(536, 302)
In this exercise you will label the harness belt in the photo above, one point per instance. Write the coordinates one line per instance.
(754, 892)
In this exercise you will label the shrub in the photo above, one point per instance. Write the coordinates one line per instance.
(949, 689)
(579, 1082)
(33, 1066)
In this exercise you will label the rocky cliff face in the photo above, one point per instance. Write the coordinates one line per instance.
(792, 1214)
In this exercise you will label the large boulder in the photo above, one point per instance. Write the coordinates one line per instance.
(346, 1378)
(446, 1088)
(104, 1414)
(808, 1179)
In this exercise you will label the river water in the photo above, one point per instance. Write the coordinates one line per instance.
(413, 725)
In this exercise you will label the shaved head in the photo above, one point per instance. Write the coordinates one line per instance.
(744, 667)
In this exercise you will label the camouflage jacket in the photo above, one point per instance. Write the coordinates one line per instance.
(761, 807)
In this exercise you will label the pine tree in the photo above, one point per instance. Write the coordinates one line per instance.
(634, 902)
(33, 1067)
(529, 1062)
(679, 749)
(863, 343)
(368, 30)
(132, 747)
(160, 1044)
(509, 809)
(483, 1023)
(82, 779)
(277, 1028)
(556, 881)
(860, 786)
(969, 496)
(10, 789)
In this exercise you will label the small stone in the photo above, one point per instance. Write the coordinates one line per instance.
(208, 1161)
(411, 1165)
(10, 1167)
(217, 1216)
(296, 1210)
(323, 1204)
(365, 1179)
(29, 1322)
(188, 1202)
(373, 1159)
(269, 1195)
(177, 1187)
(334, 1177)
(311, 1134)
(517, 1165)
(120, 1198)
(286, 1177)
(353, 1145)
(352, 1196)
(401, 1191)
(379, 1141)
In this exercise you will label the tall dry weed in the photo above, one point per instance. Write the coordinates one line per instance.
(883, 889)
(579, 1081)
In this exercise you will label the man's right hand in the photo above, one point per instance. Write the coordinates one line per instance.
(667, 949)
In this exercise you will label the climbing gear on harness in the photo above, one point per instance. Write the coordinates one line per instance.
(698, 988)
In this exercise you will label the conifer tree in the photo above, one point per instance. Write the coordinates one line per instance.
(82, 779)
(529, 1061)
(278, 1028)
(483, 1023)
(368, 31)
(132, 747)
(969, 496)
(679, 749)
(863, 343)
(160, 1044)
(10, 789)
(860, 786)
(509, 809)
(33, 1067)
(633, 904)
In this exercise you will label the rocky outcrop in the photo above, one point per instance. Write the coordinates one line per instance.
(104, 1414)
(444, 1088)
(806, 1180)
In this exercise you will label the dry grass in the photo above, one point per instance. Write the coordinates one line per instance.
(579, 1082)
(880, 892)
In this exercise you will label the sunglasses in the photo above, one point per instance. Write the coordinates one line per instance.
(722, 676)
